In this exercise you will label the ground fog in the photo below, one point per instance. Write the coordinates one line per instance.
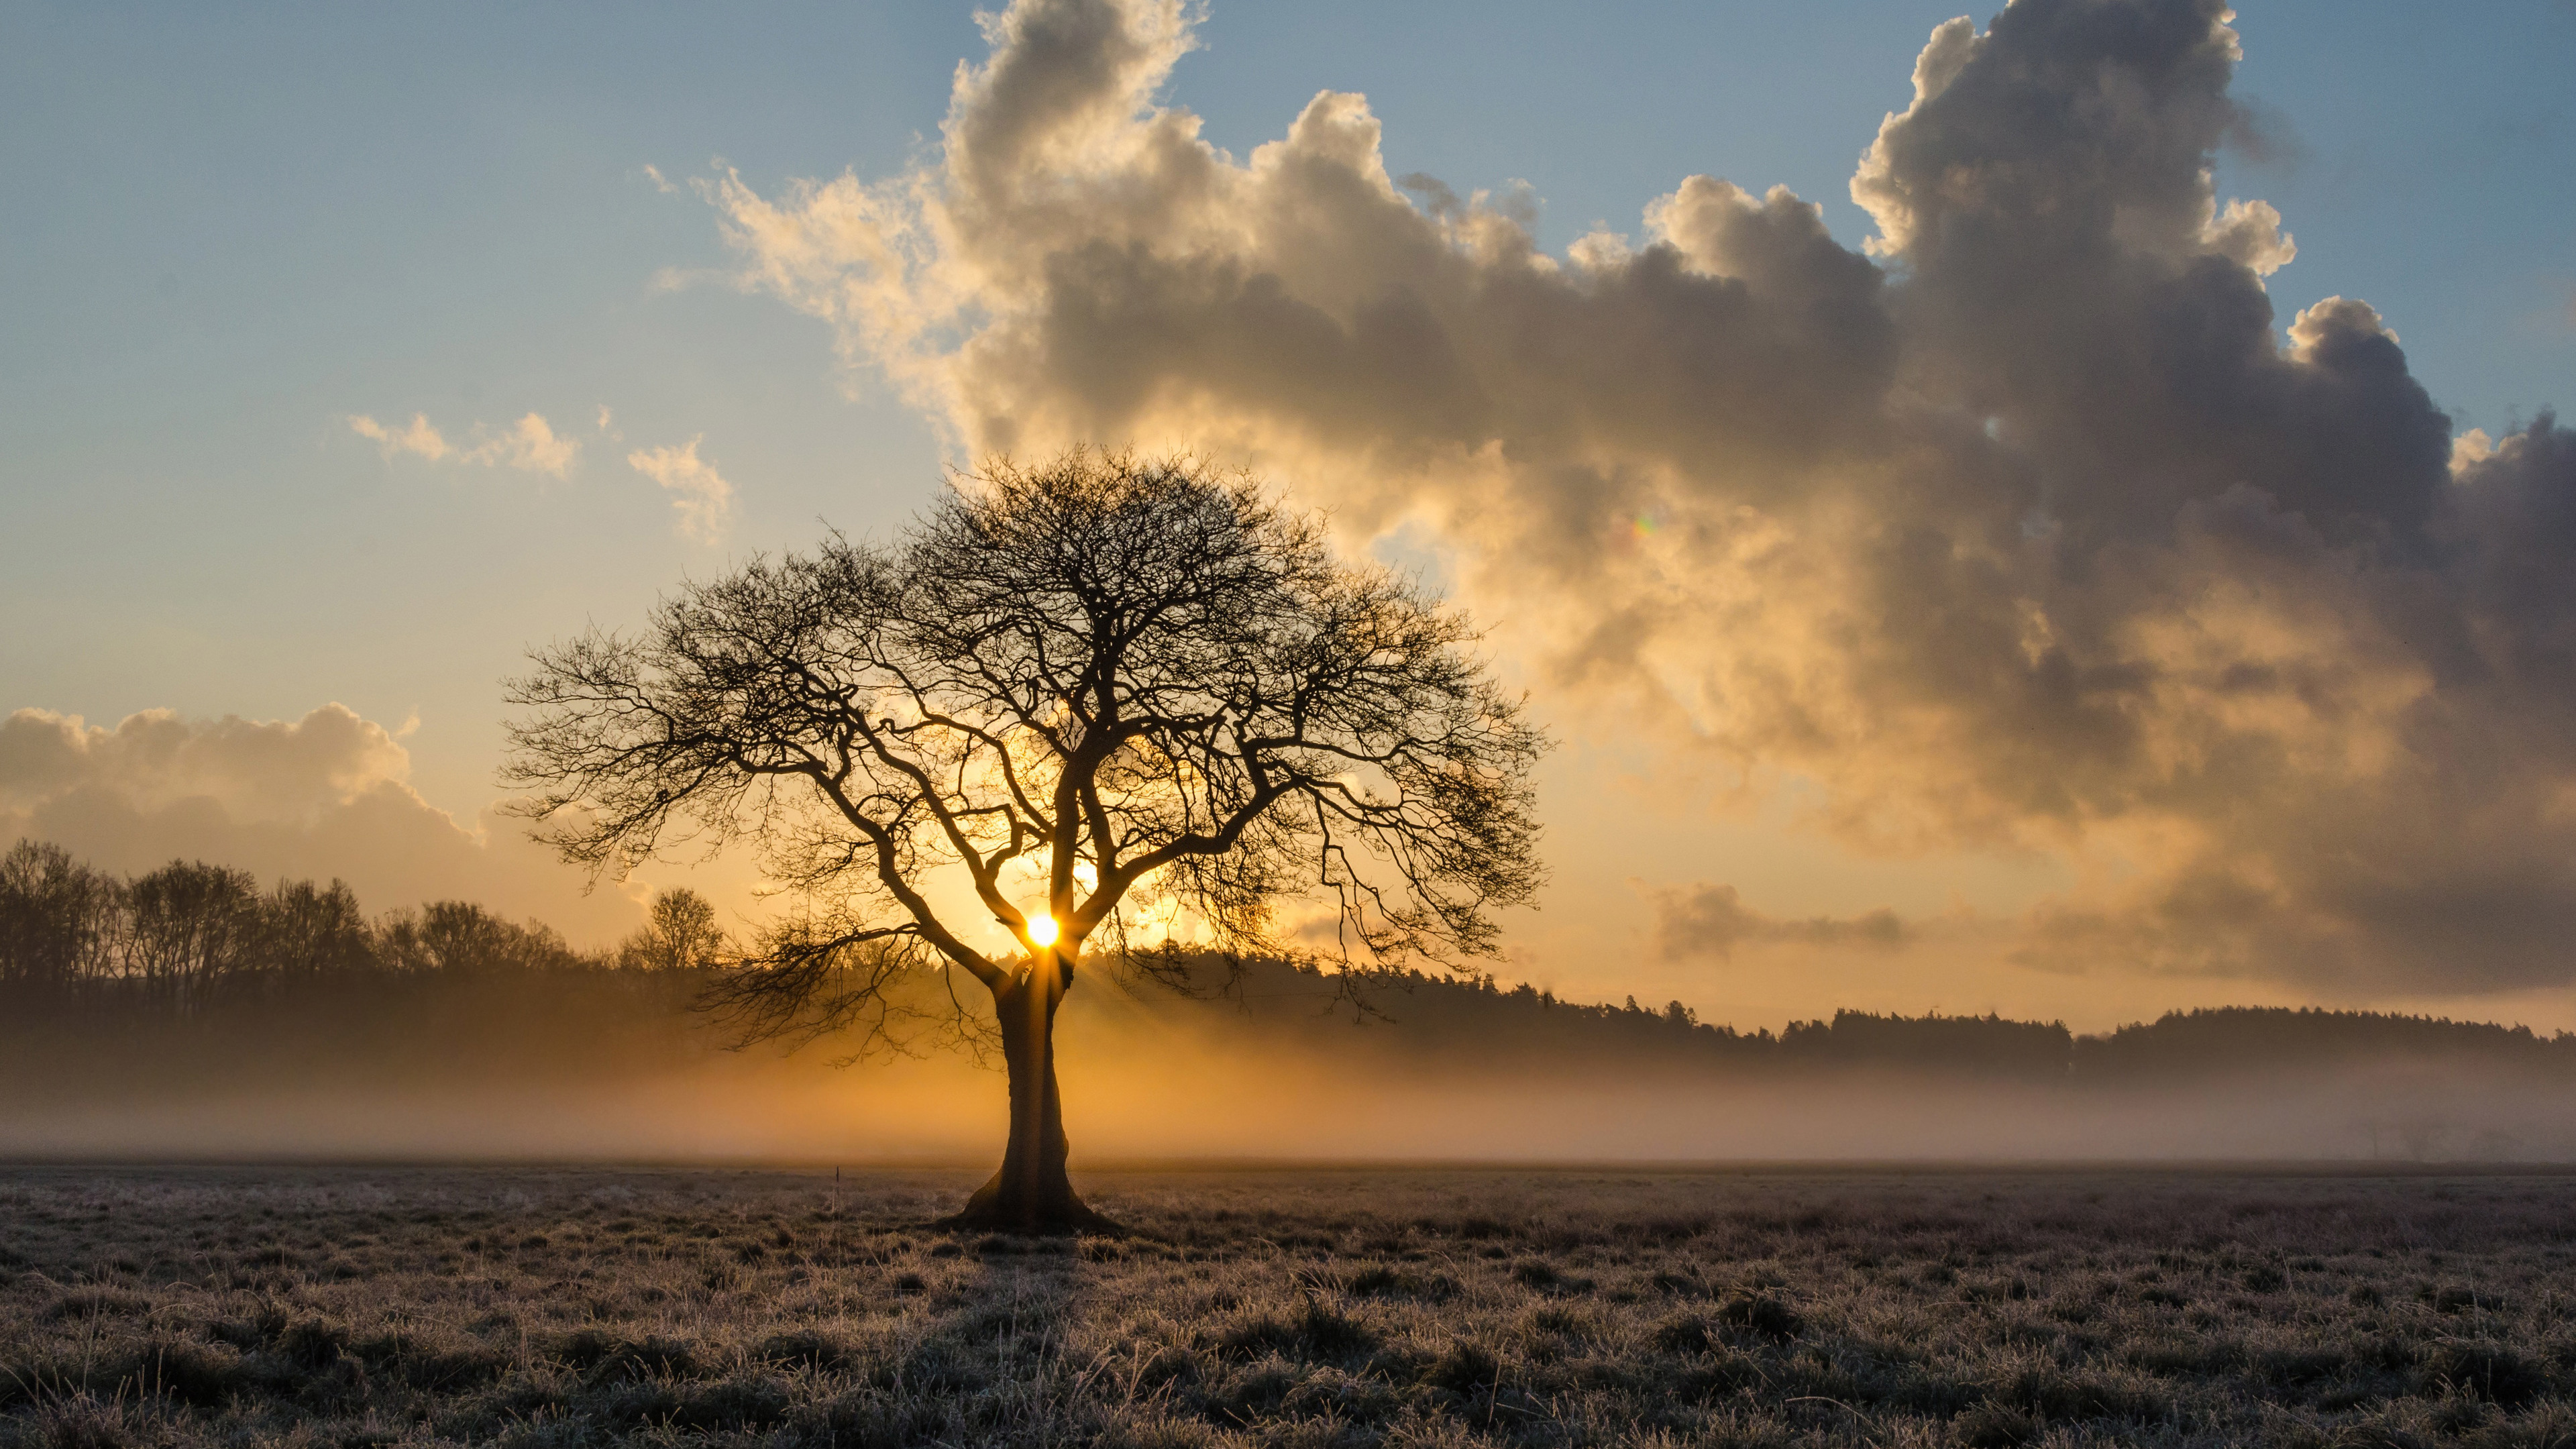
(381, 1306)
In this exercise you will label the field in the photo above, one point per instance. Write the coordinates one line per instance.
(524, 1306)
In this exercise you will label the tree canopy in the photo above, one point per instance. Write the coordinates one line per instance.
(1131, 700)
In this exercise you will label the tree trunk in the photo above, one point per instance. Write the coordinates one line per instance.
(1031, 1194)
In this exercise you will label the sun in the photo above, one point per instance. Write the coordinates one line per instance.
(1042, 930)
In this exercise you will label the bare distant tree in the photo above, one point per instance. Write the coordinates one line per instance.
(679, 933)
(460, 938)
(311, 932)
(58, 918)
(190, 926)
(1104, 697)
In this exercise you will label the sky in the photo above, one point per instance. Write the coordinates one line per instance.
(1975, 589)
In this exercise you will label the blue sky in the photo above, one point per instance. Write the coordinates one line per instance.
(229, 231)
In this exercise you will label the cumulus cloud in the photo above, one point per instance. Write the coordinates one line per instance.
(701, 500)
(266, 771)
(529, 445)
(2025, 527)
(324, 796)
(420, 438)
(1712, 920)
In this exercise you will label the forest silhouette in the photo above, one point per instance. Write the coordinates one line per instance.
(118, 993)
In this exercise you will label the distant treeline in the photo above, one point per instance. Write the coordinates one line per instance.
(189, 936)
(1523, 1022)
(192, 943)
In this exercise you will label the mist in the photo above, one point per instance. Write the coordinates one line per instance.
(603, 1067)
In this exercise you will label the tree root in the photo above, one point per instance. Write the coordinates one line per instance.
(1056, 1220)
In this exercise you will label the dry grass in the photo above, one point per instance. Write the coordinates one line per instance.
(317, 1306)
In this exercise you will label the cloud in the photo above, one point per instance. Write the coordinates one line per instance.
(420, 438)
(268, 771)
(2022, 528)
(528, 445)
(701, 500)
(1704, 921)
(319, 797)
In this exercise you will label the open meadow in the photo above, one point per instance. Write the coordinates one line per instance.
(349, 1305)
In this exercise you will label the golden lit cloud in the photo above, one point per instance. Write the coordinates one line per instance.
(2021, 529)
(419, 439)
(701, 499)
(529, 445)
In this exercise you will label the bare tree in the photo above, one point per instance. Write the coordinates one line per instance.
(311, 933)
(58, 919)
(1101, 698)
(191, 927)
(679, 933)
(460, 938)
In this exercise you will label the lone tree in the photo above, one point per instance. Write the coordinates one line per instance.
(1101, 699)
